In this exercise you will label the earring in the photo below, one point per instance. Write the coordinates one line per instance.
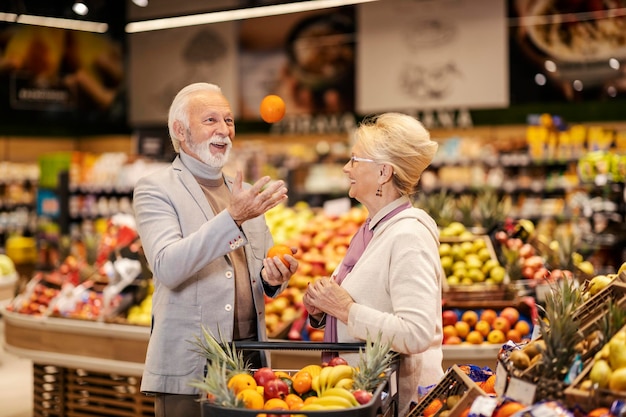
(379, 192)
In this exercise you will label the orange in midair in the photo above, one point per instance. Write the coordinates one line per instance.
(272, 108)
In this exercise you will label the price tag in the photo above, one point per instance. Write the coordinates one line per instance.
(483, 406)
(521, 391)
(502, 377)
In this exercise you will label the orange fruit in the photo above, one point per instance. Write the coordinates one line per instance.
(511, 314)
(483, 327)
(251, 398)
(275, 404)
(294, 401)
(462, 329)
(489, 385)
(599, 412)
(280, 251)
(449, 331)
(522, 327)
(514, 336)
(470, 317)
(432, 408)
(508, 409)
(239, 382)
(488, 315)
(475, 337)
(302, 382)
(272, 108)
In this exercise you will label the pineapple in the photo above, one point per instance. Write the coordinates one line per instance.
(374, 363)
(614, 320)
(215, 384)
(492, 208)
(560, 333)
(223, 361)
(221, 353)
(440, 206)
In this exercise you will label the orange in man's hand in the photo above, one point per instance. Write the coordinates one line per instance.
(272, 108)
(280, 250)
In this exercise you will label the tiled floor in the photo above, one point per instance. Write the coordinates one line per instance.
(16, 383)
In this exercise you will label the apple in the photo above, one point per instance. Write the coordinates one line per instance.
(362, 396)
(275, 388)
(511, 314)
(264, 375)
(496, 336)
(449, 317)
(337, 360)
(502, 324)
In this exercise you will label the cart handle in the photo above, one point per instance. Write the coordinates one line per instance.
(300, 345)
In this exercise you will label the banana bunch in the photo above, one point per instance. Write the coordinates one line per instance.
(332, 399)
(338, 376)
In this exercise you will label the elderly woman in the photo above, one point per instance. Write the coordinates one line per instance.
(390, 280)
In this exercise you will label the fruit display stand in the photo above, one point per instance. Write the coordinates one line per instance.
(7, 288)
(81, 367)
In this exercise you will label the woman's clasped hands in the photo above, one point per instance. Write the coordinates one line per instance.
(325, 295)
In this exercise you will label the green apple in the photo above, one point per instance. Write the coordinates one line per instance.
(7, 266)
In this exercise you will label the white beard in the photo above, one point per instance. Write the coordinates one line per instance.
(204, 152)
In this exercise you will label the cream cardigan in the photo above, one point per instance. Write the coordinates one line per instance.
(396, 286)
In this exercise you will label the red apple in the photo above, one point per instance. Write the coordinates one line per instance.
(449, 317)
(362, 396)
(264, 375)
(337, 360)
(275, 388)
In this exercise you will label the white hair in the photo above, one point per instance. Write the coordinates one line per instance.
(178, 109)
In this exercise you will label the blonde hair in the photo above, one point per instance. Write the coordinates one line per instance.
(401, 141)
(178, 108)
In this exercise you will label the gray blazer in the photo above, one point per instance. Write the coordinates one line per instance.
(185, 244)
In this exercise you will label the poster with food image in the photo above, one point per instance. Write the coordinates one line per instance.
(306, 58)
(162, 62)
(60, 75)
(432, 54)
(568, 50)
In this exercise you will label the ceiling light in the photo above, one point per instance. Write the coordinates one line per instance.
(80, 8)
(8, 17)
(239, 14)
(63, 23)
(140, 3)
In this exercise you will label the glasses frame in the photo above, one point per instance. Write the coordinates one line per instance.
(354, 159)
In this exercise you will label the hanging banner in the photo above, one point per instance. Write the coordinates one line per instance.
(432, 54)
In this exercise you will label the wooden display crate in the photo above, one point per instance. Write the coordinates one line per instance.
(477, 291)
(70, 392)
(454, 382)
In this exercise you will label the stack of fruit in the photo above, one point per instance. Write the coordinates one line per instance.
(468, 259)
(480, 326)
(335, 385)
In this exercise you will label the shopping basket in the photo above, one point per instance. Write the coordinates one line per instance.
(384, 403)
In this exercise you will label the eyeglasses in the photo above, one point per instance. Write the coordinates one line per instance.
(354, 159)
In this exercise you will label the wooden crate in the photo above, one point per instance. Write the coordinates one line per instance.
(454, 382)
(71, 392)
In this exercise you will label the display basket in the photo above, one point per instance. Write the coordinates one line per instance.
(477, 291)
(454, 383)
(597, 305)
(383, 404)
(593, 397)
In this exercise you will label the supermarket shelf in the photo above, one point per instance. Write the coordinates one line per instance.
(79, 362)
(85, 344)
